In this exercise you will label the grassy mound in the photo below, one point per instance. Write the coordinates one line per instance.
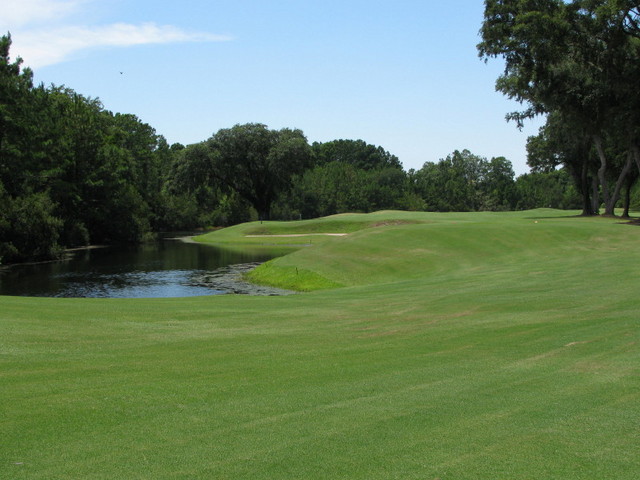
(389, 247)
(462, 346)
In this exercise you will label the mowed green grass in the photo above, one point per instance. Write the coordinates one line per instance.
(457, 346)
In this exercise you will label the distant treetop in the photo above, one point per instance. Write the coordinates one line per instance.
(354, 152)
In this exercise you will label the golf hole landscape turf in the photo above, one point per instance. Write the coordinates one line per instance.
(423, 346)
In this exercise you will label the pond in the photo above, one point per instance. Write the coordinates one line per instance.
(169, 267)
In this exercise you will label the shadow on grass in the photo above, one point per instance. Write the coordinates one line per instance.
(555, 217)
(631, 221)
(623, 220)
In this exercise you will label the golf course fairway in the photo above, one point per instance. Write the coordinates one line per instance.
(422, 346)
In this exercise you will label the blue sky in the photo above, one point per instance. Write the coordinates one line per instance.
(403, 74)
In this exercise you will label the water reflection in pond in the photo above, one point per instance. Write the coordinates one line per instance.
(167, 268)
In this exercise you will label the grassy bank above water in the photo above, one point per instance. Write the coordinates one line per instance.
(462, 346)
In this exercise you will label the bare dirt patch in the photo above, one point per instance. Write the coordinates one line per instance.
(392, 223)
(578, 343)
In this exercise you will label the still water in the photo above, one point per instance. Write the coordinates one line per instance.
(166, 268)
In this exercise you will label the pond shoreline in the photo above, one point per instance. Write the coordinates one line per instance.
(174, 266)
(231, 280)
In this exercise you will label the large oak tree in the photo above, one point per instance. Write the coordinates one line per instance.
(258, 163)
(579, 61)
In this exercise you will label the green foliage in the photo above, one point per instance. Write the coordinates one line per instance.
(357, 153)
(578, 62)
(465, 182)
(348, 176)
(258, 163)
(231, 210)
(180, 212)
(103, 174)
(191, 192)
(28, 229)
(332, 188)
(553, 189)
(635, 197)
(16, 107)
(338, 187)
(385, 188)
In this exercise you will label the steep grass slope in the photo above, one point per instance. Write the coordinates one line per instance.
(461, 346)
(392, 246)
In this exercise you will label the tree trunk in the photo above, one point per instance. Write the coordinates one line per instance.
(611, 204)
(597, 141)
(263, 207)
(595, 197)
(627, 199)
(587, 208)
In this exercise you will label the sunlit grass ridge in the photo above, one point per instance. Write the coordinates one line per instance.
(461, 346)
(394, 246)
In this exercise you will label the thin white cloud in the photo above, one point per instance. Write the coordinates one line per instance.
(18, 13)
(40, 48)
(41, 37)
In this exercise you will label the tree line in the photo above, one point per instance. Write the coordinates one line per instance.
(73, 173)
